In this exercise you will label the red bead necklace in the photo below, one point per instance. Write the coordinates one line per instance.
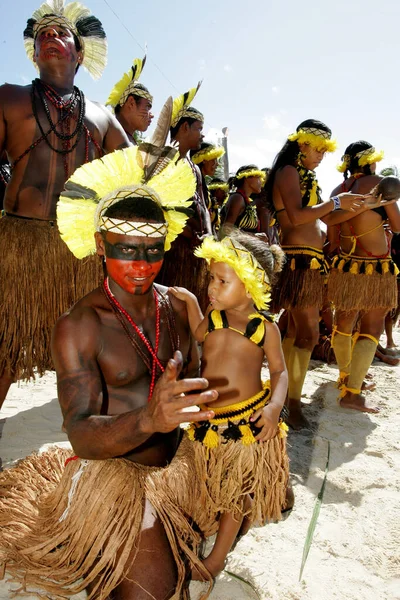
(153, 352)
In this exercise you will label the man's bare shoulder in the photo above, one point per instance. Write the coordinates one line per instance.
(82, 319)
(10, 93)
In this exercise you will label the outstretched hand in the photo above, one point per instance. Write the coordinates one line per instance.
(373, 201)
(165, 411)
(351, 202)
(181, 293)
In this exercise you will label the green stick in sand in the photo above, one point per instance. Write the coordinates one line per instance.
(314, 518)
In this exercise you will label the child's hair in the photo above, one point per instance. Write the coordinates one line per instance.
(271, 258)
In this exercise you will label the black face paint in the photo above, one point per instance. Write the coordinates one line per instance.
(136, 252)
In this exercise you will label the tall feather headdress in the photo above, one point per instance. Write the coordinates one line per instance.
(181, 107)
(97, 185)
(78, 19)
(128, 84)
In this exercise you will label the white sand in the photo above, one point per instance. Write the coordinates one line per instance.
(355, 554)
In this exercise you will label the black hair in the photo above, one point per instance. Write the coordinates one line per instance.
(271, 258)
(353, 166)
(136, 208)
(135, 96)
(288, 156)
(174, 130)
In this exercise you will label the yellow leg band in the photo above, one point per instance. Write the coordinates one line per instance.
(363, 355)
(287, 345)
(342, 346)
(297, 371)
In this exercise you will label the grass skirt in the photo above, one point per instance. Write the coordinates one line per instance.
(40, 280)
(65, 526)
(182, 268)
(230, 465)
(361, 283)
(301, 282)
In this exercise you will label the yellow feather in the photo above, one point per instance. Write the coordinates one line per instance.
(75, 219)
(180, 103)
(127, 78)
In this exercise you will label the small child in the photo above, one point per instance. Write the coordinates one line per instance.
(240, 454)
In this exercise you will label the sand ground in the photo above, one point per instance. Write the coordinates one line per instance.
(356, 551)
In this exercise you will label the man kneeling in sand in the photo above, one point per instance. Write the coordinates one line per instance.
(115, 518)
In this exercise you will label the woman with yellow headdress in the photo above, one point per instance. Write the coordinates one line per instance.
(295, 197)
(240, 211)
(362, 282)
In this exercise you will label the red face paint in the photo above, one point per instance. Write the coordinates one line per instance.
(133, 263)
(55, 41)
(133, 276)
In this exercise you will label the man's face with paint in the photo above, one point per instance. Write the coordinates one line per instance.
(132, 262)
(56, 43)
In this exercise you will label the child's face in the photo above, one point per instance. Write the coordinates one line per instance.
(225, 290)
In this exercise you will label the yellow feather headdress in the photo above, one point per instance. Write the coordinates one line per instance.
(218, 185)
(252, 173)
(245, 265)
(369, 156)
(97, 185)
(209, 152)
(315, 137)
(78, 19)
(365, 157)
(181, 107)
(128, 85)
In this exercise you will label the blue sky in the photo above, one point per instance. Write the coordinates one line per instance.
(266, 66)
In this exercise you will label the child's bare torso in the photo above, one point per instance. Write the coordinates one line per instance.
(232, 363)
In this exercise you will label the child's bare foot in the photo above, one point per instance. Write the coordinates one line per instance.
(357, 402)
(296, 420)
(213, 567)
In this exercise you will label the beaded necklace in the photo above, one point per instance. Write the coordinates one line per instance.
(60, 128)
(309, 187)
(119, 311)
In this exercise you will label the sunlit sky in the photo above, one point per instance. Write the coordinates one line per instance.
(265, 66)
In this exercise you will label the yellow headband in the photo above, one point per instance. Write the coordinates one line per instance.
(78, 19)
(97, 185)
(252, 173)
(218, 186)
(365, 157)
(317, 138)
(127, 85)
(245, 265)
(209, 153)
(181, 107)
(369, 156)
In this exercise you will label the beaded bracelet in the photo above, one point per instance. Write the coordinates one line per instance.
(336, 202)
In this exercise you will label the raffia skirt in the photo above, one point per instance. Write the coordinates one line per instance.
(182, 268)
(40, 279)
(65, 526)
(230, 465)
(362, 283)
(301, 283)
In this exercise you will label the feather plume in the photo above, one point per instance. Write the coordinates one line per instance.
(182, 102)
(160, 134)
